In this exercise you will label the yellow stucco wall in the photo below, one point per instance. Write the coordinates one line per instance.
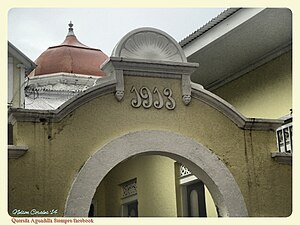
(155, 183)
(210, 205)
(265, 92)
(42, 177)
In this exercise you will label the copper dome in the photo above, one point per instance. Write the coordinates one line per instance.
(70, 57)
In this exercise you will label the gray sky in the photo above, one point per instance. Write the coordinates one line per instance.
(34, 30)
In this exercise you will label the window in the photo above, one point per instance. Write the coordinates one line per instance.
(129, 199)
(195, 197)
(285, 137)
(131, 209)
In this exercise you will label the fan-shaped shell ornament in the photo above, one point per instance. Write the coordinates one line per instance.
(149, 44)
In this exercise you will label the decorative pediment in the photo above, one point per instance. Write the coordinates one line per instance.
(149, 44)
(149, 52)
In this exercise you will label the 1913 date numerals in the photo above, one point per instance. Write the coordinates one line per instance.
(147, 98)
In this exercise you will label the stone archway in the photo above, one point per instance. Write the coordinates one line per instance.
(200, 160)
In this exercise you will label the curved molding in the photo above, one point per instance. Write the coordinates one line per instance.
(198, 92)
(203, 163)
(108, 85)
(149, 44)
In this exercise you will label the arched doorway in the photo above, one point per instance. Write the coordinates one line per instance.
(200, 160)
(151, 186)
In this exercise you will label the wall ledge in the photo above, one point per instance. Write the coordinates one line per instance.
(15, 152)
(110, 85)
(282, 157)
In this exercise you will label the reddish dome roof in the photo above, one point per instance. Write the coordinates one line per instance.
(70, 57)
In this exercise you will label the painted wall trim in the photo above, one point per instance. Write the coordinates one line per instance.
(152, 68)
(200, 160)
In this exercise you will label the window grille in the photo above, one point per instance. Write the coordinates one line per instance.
(285, 138)
(129, 188)
(184, 171)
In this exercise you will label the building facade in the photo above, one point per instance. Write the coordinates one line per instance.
(145, 140)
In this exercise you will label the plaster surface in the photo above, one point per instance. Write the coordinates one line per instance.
(43, 177)
(202, 162)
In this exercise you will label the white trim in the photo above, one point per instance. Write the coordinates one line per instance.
(187, 180)
(202, 162)
(153, 68)
(219, 31)
(61, 75)
(129, 199)
(287, 143)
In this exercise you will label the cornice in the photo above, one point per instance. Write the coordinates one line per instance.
(109, 86)
(120, 67)
(153, 68)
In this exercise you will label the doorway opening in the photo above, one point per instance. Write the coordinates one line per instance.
(152, 186)
(202, 162)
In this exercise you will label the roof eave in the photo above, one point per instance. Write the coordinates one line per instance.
(15, 52)
(212, 23)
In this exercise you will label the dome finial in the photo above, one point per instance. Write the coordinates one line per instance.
(70, 29)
